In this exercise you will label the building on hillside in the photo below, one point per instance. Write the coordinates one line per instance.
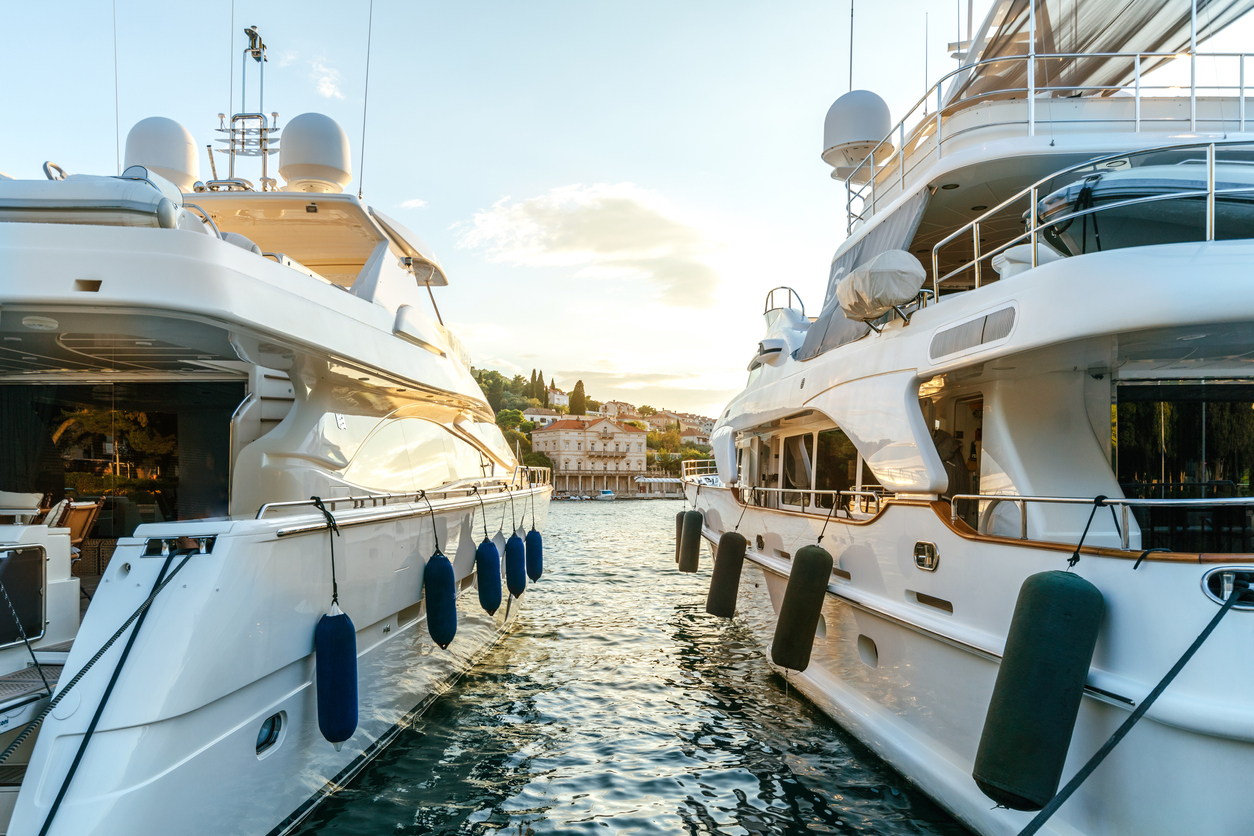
(558, 398)
(658, 422)
(591, 454)
(617, 409)
(540, 416)
(694, 437)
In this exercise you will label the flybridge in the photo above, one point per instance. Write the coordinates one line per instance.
(1074, 79)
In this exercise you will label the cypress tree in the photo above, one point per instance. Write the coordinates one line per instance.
(578, 400)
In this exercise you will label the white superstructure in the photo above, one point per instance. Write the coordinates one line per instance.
(1078, 324)
(191, 361)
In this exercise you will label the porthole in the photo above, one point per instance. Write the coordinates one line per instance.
(269, 733)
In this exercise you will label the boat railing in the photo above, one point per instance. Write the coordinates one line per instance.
(812, 502)
(1033, 223)
(920, 136)
(523, 478)
(692, 468)
(772, 305)
(1123, 504)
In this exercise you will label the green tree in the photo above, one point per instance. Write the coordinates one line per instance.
(578, 400)
(509, 419)
(531, 392)
(517, 440)
(595, 406)
(647, 410)
(535, 459)
(495, 392)
(542, 391)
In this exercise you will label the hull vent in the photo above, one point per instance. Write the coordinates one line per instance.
(986, 329)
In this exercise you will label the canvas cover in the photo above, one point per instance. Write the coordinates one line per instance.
(892, 278)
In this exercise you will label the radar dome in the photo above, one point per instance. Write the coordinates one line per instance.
(313, 155)
(855, 124)
(164, 146)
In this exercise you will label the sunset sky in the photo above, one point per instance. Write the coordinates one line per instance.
(612, 187)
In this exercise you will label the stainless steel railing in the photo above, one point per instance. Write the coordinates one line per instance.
(1113, 502)
(920, 135)
(867, 502)
(523, 478)
(698, 467)
(1034, 224)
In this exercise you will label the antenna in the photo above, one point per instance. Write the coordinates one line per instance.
(256, 50)
(117, 120)
(365, 100)
(851, 46)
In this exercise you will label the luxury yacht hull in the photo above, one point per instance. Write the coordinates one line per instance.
(229, 644)
(906, 661)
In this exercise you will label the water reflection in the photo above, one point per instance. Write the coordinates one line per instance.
(618, 706)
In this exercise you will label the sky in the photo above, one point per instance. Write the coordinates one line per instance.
(611, 187)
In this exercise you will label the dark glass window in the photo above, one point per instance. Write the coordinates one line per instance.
(836, 467)
(798, 468)
(1187, 441)
(149, 452)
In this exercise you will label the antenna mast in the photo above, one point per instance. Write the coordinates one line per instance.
(851, 46)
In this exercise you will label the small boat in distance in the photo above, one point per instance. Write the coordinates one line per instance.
(605, 494)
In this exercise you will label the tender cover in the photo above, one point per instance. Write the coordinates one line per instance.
(892, 278)
(81, 199)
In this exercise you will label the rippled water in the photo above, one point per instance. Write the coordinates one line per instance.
(616, 705)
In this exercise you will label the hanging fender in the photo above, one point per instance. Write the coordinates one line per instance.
(488, 576)
(535, 554)
(440, 590)
(335, 668)
(515, 566)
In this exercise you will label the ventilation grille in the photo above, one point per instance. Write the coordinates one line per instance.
(986, 329)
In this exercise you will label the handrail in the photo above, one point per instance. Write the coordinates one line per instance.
(697, 467)
(770, 300)
(815, 494)
(1034, 223)
(932, 124)
(497, 484)
(1124, 504)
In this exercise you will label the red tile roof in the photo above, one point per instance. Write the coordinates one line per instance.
(577, 424)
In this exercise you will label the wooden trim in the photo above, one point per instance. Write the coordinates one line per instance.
(966, 532)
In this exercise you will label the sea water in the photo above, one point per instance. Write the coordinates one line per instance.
(617, 705)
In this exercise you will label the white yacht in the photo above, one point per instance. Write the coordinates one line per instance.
(184, 363)
(1036, 353)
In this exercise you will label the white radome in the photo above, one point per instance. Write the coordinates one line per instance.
(314, 155)
(854, 125)
(164, 146)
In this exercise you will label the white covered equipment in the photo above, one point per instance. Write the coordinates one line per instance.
(165, 147)
(892, 278)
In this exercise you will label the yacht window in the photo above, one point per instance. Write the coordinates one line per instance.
(147, 452)
(798, 473)
(1187, 440)
(836, 466)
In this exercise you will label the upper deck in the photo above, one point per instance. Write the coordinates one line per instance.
(990, 118)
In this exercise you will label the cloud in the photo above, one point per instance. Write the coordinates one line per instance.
(415, 203)
(287, 57)
(326, 79)
(607, 231)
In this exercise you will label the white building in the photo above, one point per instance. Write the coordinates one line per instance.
(557, 398)
(694, 437)
(590, 454)
(540, 416)
(615, 409)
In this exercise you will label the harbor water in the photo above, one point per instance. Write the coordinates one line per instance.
(617, 705)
